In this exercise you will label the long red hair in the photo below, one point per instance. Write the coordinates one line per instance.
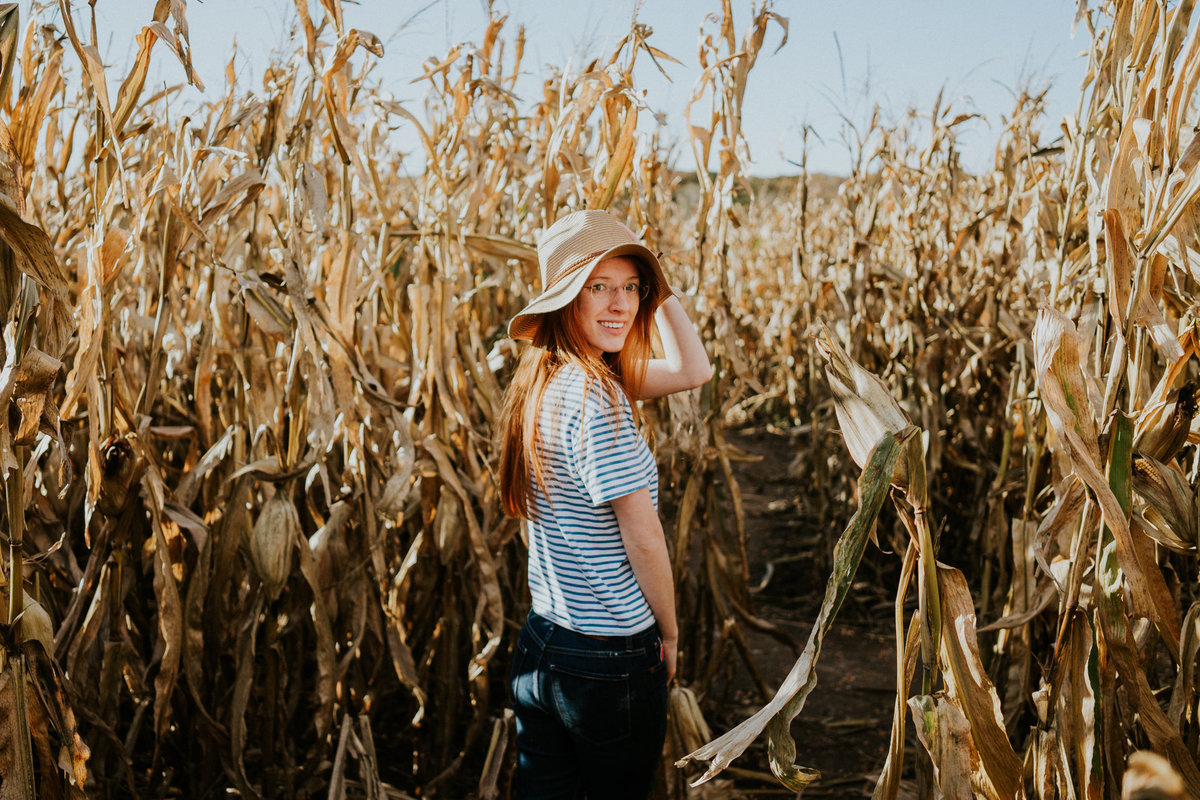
(560, 341)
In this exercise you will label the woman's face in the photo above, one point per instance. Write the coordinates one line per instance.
(605, 309)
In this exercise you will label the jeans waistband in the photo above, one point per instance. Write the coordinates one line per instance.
(543, 628)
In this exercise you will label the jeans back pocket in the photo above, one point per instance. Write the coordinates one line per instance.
(592, 705)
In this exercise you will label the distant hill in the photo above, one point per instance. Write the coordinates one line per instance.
(821, 187)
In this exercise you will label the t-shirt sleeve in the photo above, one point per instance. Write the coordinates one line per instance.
(610, 451)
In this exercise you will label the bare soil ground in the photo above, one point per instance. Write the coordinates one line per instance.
(844, 727)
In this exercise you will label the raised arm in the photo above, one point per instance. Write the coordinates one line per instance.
(646, 546)
(685, 363)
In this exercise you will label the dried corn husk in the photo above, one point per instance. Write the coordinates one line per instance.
(687, 719)
(36, 624)
(121, 470)
(1163, 427)
(273, 542)
(1171, 503)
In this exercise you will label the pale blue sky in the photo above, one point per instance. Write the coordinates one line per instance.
(841, 58)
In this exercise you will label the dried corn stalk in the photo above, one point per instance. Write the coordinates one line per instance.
(1040, 322)
(282, 356)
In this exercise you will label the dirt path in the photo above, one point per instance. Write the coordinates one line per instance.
(844, 727)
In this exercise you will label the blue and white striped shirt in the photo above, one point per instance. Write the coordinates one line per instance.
(592, 452)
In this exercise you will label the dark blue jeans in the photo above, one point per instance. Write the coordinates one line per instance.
(591, 712)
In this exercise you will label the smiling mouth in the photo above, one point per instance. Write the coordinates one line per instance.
(612, 326)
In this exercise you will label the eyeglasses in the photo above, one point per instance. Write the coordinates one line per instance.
(633, 291)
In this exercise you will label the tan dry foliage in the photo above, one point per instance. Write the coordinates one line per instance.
(1039, 322)
(282, 358)
(258, 301)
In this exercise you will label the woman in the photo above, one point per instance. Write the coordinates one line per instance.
(590, 673)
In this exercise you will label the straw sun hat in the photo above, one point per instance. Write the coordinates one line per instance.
(569, 251)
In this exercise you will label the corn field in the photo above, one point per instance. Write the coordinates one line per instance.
(251, 368)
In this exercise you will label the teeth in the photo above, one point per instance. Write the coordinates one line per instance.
(613, 325)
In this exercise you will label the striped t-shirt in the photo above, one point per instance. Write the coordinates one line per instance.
(592, 453)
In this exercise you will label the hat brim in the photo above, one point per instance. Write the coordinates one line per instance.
(526, 323)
